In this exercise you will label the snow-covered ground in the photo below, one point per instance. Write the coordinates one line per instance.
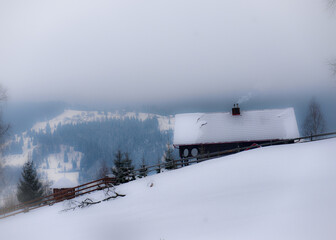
(280, 192)
(20, 159)
(54, 166)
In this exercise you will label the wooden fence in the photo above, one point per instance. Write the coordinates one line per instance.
(208, 156)
(110, 181)
(57, 197)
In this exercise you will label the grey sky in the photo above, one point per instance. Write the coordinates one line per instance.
(150, 50)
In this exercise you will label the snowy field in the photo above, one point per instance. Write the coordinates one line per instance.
(279, 192)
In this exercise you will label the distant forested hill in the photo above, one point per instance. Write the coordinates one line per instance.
(99, 141)
(77, 149)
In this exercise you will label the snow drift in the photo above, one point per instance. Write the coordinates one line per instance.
(279, 192)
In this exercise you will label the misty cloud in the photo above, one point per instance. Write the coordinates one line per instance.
(156, 50)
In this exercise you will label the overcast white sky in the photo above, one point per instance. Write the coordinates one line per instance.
(152, 50)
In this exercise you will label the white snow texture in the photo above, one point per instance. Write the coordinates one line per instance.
(200, 128)
(279, 192)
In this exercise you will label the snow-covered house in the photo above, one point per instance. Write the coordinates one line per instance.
(196, 133)
(62, 187)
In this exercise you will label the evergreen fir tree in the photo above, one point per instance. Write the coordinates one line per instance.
(169, 159)
(29, 187)
(48, 128)
(123, 169)
(143, 172)
(128, 168)
(117, 169)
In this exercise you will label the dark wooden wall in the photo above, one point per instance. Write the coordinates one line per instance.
(218, 147)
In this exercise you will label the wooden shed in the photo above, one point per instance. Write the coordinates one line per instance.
(63, 188)
(197, 133)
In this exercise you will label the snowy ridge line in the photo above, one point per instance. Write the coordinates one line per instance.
(49, 200)
(108, 182)
(77, 117)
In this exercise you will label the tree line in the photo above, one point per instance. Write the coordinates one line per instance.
(98, 141)
(123, 169)
(31, 187)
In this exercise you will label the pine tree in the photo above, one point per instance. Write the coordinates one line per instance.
(123, 169)
(169, 159)
(29, 187)
(48, 128)
(143, 172)
(128, 168)
(117, 169)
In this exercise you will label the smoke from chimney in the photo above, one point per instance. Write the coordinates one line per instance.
(244, 98)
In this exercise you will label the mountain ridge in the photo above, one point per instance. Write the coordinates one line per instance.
(63, 158)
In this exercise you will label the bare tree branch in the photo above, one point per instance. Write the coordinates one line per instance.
(314, 122)
(333, 65)
(332, 4)
(115, 196)
(3, 127)
(103, 170)
(89, 202)
(3, 130)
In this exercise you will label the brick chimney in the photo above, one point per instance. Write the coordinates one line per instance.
(235, 110)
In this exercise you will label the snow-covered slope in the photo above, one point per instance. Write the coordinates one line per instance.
(280, 192)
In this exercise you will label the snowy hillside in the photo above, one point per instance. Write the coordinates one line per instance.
(279, 192)
(55, 166)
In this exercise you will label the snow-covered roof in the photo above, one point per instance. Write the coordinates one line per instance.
(202, 128)
(63, 183)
